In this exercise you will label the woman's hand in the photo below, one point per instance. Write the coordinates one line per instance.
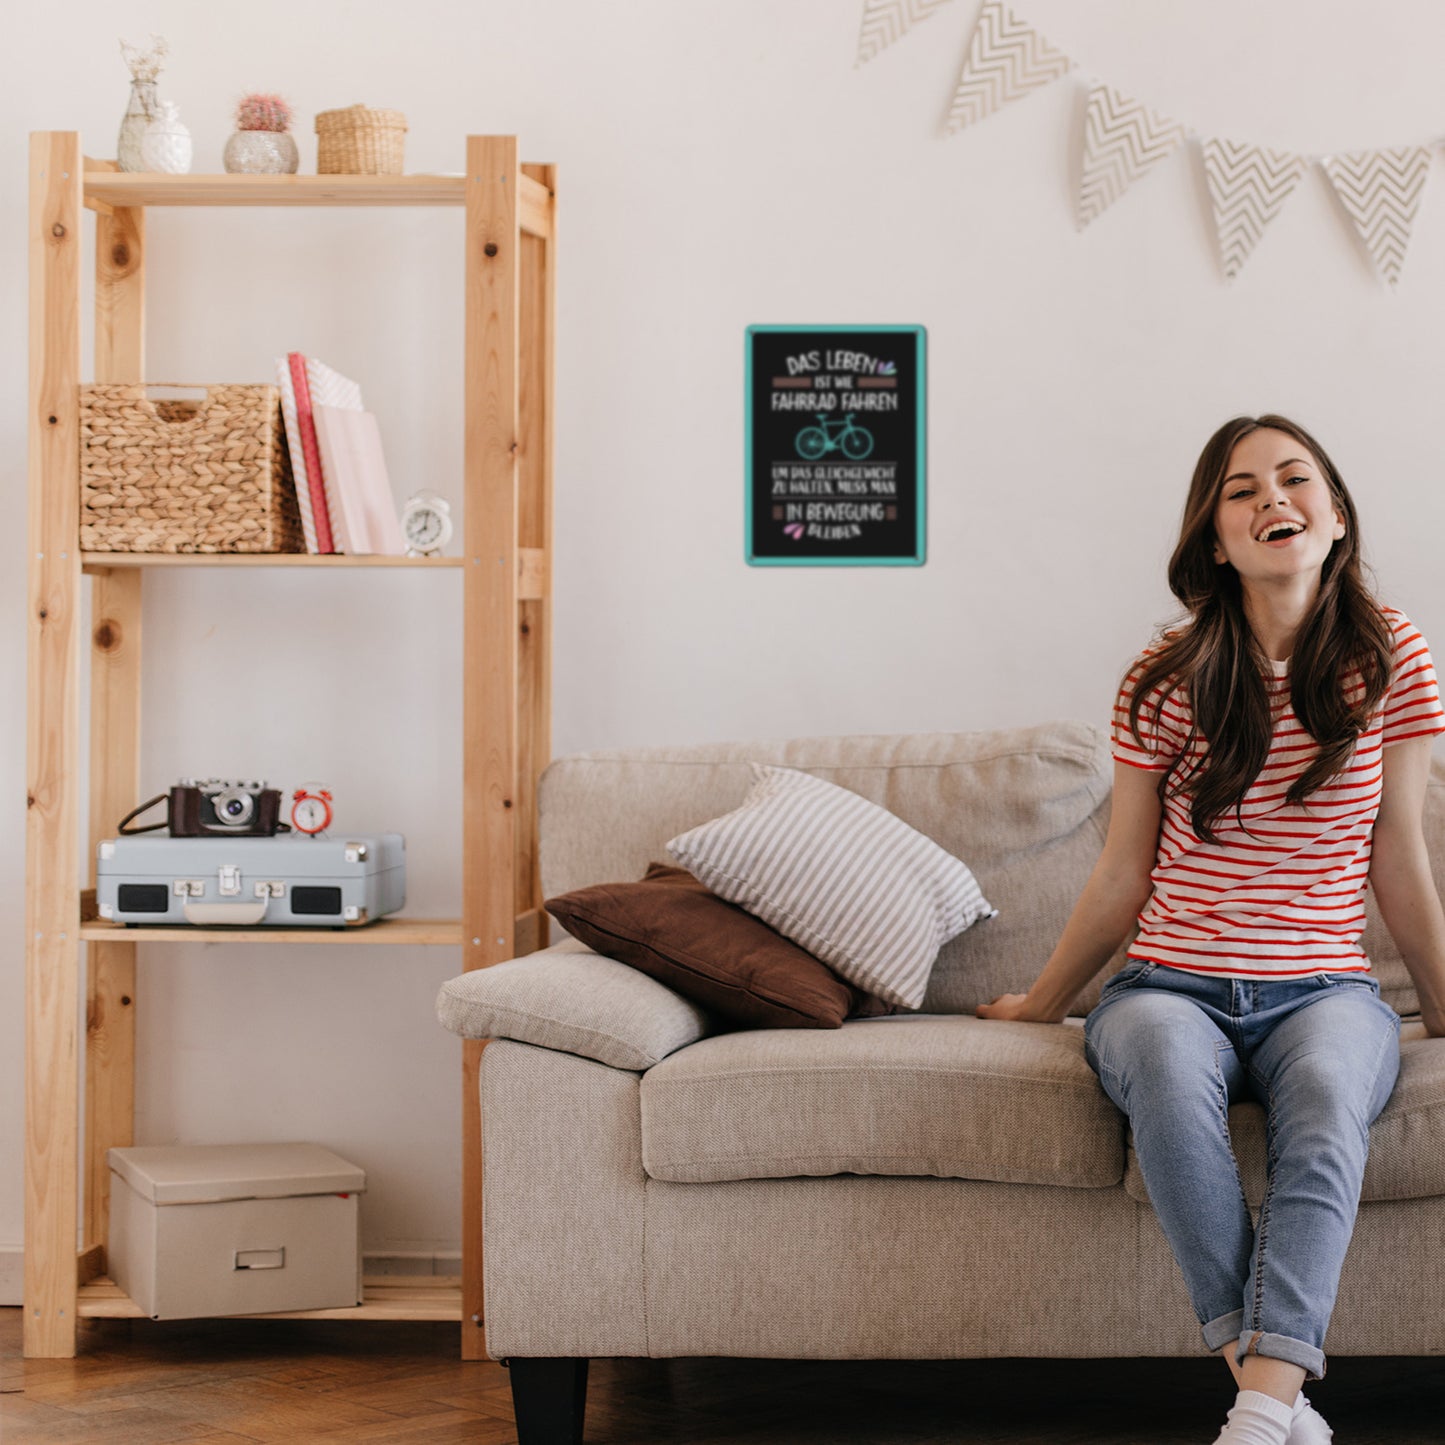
(1402, 882)
(1012, 1006)
(1109, 905)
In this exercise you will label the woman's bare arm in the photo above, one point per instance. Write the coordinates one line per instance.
(1117, 890)
(1400, 875)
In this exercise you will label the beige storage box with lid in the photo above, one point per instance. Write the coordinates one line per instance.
(235, 1229)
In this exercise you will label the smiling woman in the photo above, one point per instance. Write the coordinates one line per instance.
(1271, 758)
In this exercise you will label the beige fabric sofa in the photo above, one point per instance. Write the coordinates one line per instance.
(916, 1186)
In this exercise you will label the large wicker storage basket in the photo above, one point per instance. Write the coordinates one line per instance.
(359, 142)
(185, 476)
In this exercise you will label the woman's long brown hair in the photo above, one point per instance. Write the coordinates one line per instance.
(1217, 661)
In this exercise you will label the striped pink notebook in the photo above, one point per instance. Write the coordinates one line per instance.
(306, 427)
(364, 512)
(307, 383)
(311, 505)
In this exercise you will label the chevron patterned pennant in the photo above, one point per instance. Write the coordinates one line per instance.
(885, 21)
(1381, 190)
(1248, 186)
(1122, 140)
(1006, 59)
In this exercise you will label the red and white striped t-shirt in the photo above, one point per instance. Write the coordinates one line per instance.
(1285, 899)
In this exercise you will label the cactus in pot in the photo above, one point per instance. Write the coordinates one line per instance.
(262, 143)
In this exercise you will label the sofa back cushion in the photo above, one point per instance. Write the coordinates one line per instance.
(1025, 808)
(673, 928)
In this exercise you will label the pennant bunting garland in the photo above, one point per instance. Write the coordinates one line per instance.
(1381, 190)
(1007, 58)
(1122, 140)
(1248, 186)
(885, 21)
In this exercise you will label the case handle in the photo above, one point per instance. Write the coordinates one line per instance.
(239, 913)
(260, 1259)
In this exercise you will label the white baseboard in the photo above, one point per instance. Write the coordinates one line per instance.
(12, 1268)
(12, 1274)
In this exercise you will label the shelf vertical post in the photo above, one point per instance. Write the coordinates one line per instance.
(115, 640)
(52, 891)
(489, 705)
(537, 324)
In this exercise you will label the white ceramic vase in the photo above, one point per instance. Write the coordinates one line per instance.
(261, 152)
(142, 110)
(166, 146)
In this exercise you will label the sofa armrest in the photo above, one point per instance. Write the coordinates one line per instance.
(575, 1001)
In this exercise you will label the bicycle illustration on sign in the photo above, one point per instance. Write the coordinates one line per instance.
(854, 441)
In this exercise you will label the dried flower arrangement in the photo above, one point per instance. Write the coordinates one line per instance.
(144, 64)
(143, 107)
(260, 111)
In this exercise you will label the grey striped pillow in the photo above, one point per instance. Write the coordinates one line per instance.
(845, 879)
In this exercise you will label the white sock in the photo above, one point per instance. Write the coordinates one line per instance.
(1257, 1419)
(1307, 1425)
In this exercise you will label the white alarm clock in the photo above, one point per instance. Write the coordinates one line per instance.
(426, 524)
(311, 809)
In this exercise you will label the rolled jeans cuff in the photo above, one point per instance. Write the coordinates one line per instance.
(1223, 1331)
(1282, 1347)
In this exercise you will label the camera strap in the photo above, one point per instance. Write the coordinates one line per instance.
(145, 807)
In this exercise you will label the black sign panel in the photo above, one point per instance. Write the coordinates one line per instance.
(836, 445)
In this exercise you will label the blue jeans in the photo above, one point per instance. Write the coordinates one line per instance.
(1173, 1050)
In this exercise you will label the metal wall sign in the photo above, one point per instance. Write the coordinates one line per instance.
(836, 446)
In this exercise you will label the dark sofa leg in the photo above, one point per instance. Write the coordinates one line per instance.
(549, 1397)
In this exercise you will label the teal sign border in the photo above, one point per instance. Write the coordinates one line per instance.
(920, 336)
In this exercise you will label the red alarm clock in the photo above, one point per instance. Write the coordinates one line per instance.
(311, 809)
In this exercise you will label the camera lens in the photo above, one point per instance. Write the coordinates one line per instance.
(234, 807)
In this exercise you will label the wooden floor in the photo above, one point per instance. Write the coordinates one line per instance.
(136, 1383)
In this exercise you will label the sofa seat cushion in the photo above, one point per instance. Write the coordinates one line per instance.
(1407, 1141)
(952, 1097)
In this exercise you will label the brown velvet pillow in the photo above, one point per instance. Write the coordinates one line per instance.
(670, 927)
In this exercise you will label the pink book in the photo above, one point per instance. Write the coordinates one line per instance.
(363, 509)
(295, 452)
(306, 425)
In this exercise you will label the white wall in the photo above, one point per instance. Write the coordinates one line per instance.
(723, 163)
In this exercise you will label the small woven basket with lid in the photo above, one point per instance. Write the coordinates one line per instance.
(186, 476)
(359, 142)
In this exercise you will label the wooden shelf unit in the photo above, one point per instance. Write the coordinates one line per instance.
(509, 289)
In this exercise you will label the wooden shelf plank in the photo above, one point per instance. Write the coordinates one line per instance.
(386, 1297)
(385, 930)
(99, 561)
(532, 564)
(108, 188)
(146, 188)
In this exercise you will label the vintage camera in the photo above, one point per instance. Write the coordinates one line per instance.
(217, 806)
(196, 808)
